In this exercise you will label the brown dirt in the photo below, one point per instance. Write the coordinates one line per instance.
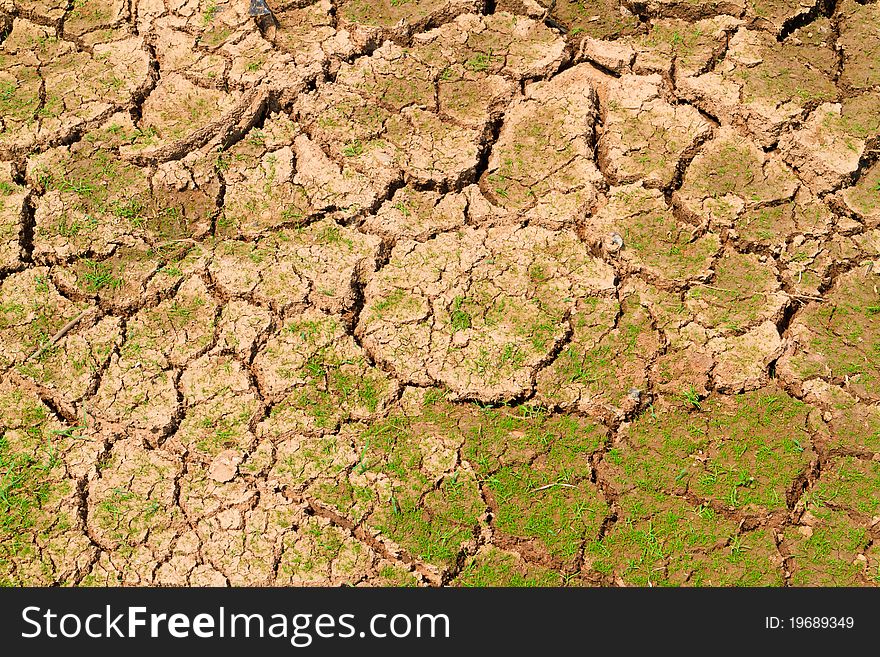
(440, 292)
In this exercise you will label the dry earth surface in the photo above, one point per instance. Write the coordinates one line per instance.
(440, 292)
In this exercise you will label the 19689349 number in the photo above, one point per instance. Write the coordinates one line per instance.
(810, 622)
(821, 622)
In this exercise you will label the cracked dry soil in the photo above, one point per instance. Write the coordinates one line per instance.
(440, 292)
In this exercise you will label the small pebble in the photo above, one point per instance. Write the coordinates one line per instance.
(613, 243)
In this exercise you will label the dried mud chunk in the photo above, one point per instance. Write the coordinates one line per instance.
(477, 310)
(262, 196)
(31, 312)
(537, 480)
(90, 15)
(431, 151)
(308, 33)
(494, 567)
(241, 326)
(48, 10)
(603, 368)
(330, 187)
(12, 208)
(644, 137)
(202, 496)
(224, 467)
(824, 552)
(322, 262)
(220, 407)
(372, 22)
(655, 242)
(542, 164)
(729, 175)
(254, 272)
(321, 554)
(692, 45)
(70, 368)
(132, 508)
(838, 340)
(735, 452)
(318, 376)
(423, 499)
(94, 201)
(763, 84)
(244, 552)
(417, 215)
(777, 225)
(177, 113)
(860, 42)
(317, 466)
(178, 328)
(689, 9)
(744, 292)
(81, 87)
(828, 149)
(863, 198)
(854, 427)
(662, 540)
(742, 361)
(605, 19)
(851, 485)
(613, 56)
(42, 538)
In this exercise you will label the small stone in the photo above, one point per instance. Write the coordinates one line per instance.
(613, 243)
(827, 416)
(259, 8)
(224, 467)
(616, 57)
